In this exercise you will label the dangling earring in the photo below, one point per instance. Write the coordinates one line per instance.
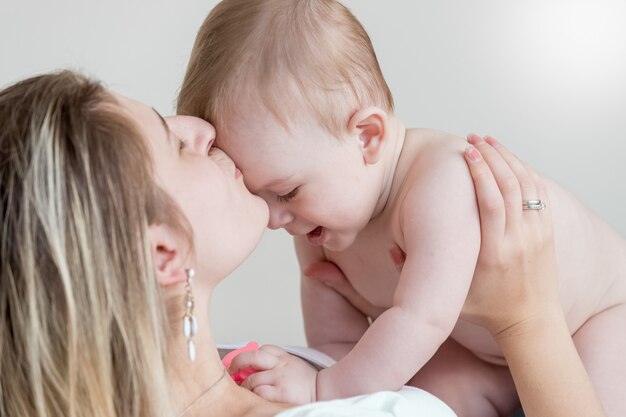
(190, 326)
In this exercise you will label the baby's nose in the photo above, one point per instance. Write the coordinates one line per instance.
(279, 217)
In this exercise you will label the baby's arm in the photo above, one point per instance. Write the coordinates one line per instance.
(441, 231)
(332, 324)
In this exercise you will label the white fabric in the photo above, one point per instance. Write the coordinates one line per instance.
(407, 402)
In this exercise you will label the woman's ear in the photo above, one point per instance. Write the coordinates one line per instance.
(167, 255)
(370, 125)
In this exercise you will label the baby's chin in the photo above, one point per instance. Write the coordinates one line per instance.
(337, 242)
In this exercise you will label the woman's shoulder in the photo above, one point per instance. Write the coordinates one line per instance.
(406, 402)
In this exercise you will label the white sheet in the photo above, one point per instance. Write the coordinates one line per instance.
(408, 402)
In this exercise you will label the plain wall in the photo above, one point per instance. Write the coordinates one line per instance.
(546, 77)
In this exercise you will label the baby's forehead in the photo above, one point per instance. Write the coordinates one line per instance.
(274, 177)
(265, 157)
(263, 132)
(257, 116)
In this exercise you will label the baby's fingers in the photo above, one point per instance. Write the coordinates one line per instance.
(274, 350)
(267, 384)
(259, 360)
(264, 378)
(268, 392)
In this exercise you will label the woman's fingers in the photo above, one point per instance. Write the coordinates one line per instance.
(535, 222)
(490, 202)
(507, 181)
(546, 214)
(526, 182)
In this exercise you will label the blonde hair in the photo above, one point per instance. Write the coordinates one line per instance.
(288, 55)
(83, 326)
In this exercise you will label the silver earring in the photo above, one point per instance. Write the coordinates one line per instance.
(190, 326)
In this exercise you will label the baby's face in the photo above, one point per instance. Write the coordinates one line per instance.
(314, 183)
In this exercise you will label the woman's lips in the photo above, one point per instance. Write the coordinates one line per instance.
(316, 236)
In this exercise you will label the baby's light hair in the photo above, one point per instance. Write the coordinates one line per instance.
(291, 56)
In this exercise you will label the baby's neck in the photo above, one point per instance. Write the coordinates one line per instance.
(394, 139)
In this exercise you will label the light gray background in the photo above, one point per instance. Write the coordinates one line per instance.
(547, 77)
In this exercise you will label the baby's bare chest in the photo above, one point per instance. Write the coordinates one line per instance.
(371, 264)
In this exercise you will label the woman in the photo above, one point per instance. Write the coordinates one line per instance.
(116, 227)
(107, 210)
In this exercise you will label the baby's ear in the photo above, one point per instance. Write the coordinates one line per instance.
(370, 125)
(167, 255)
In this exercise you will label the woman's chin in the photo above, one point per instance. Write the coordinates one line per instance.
(238, 237)
(262, 217)
(254, 240)
(241, 248)
(263, 210)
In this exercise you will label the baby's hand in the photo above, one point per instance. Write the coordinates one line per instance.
(242, 374)
(280, 377)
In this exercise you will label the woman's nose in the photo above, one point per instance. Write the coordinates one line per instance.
(193, 130)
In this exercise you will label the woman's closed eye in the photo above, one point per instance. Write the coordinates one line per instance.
(181, 144)
(285, 198)
(209, 146)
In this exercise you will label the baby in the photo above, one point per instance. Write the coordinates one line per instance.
(297, 96)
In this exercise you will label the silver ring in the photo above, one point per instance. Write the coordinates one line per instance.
(533, 205)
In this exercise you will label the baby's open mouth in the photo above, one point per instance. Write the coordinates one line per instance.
(315, 236)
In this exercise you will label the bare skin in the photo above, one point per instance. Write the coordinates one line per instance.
(427, 211)
(514, 292)
(227, 222)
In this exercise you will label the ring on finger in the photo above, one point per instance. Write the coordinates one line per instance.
(533, 205)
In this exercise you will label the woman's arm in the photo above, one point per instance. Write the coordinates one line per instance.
(514, 292)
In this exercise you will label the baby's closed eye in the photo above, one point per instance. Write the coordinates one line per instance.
(285, 198)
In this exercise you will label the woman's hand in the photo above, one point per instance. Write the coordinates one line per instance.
(515, 282)
(514, 292)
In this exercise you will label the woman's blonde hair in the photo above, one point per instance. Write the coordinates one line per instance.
(83, 328)
(290, 56)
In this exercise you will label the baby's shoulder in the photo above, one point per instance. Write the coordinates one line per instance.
(431, 158)
(432, 170)
(428, 147)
